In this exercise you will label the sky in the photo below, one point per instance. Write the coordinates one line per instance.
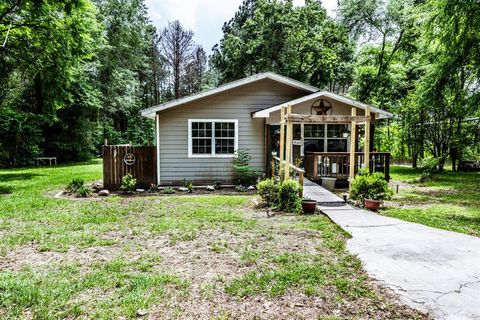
(204, 17)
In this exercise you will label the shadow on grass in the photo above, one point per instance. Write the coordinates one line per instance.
(6, 177)
(5, 190)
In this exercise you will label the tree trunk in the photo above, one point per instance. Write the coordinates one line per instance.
(37, 83)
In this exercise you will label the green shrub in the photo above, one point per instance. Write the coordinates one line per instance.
(186, 183)
(74, 185)
(244, 174)
(82, 192)
(129, 184)
(429, 168)
(268, 190)
(370, 186)
(289, 196)
(168, 190)
(284, 196)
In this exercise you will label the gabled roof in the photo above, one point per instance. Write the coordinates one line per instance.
(150, 112)
(265, 113)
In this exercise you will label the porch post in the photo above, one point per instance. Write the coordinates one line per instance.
(366, 149)
(282, 140)
(288, 147)
(352, 146)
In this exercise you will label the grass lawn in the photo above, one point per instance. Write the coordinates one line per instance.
(449, 200)
(168, 257)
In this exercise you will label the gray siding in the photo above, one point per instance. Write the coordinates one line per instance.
(239, 103)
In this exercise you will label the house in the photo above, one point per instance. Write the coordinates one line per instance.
(196, 136)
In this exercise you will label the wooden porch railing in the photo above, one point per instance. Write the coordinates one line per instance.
(295, 171)
(337, 164)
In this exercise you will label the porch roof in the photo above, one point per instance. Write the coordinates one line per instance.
(265, 113)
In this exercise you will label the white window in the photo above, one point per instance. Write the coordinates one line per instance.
(212, 138)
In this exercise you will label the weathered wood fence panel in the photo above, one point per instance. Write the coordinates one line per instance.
(118, 162)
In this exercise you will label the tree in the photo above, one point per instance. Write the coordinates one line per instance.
(177, 46)
(49, 44)
(387, 29)
(299, 42)
(195, 71)
(128, 72)
(448, 93)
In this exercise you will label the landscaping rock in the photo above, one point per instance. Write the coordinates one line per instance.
(140, 190)
(251, 188)
(97, 186)
(141, 313)
(210, 188)
(104, 193)
(183, 189)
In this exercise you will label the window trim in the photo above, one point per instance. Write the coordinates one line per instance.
(212, 154)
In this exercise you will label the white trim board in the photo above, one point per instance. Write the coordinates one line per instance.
(212, 154)
(150, 112)
(265, 113)
(157, 133)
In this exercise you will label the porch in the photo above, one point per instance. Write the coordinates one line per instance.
(337, 164)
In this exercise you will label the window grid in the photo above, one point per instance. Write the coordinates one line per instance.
(325, 137)
(210, 138)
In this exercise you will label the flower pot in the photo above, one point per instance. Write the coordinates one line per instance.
(372, 204)
(328, 183)
(309, 206)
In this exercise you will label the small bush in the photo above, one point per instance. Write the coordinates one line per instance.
(289, 196)
(284, 196)
(82, 192)
(429, 168)
(168, 190)
(129, 184)
(244, 174)
(186, 183)
(190, 187)
(268, 190)
(153, 188)
(370, 186)
(74, 185)
(241, 188)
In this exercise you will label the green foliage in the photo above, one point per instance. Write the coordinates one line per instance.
(268, 189)
(289, 198)
(244, 174)
(300, 42)
(370, 186)
(168, 190)
(186, 183)
(74, 185)
(82, 192)
(284, 196)
(129, 183)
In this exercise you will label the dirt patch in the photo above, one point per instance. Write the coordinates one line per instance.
(212, 256)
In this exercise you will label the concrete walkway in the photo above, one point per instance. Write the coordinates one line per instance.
(431, 269)
(321, 195)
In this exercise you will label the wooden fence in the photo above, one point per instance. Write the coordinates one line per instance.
(118, 161)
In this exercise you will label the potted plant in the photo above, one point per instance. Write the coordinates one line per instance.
(370, 189)
(329, 183)
(309, 205)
